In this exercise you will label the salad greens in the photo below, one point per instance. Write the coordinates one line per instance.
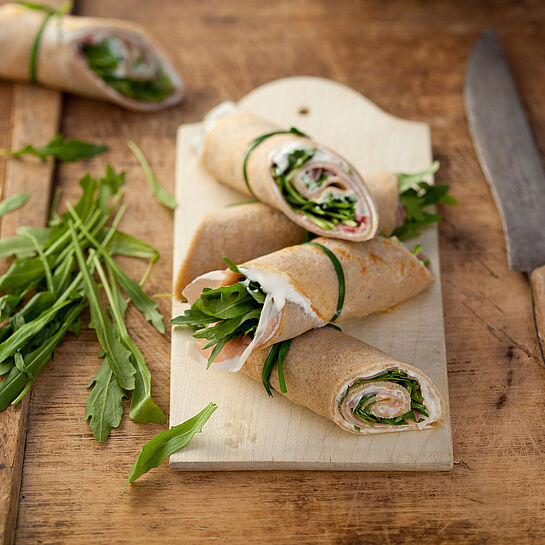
(168, 442)
(335, 209)
(416, 195)
(13, 203)
(107, 59)
(363, 409)
(49, 284)
(160, 194)
(234, 310)
(64, 150)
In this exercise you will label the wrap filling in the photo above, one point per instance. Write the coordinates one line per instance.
(128, 66)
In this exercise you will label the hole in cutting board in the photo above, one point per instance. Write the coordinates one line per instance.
(303, 110)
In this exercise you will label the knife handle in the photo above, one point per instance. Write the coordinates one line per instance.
(537, 281)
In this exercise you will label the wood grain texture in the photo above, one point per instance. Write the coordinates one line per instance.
(409, 58)
(537, 279)
(251, 430)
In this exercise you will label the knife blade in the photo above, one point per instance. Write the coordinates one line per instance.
(511, 163)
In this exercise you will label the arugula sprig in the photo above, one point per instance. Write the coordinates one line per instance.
(416, 196)
(61, 149)
(168, 442)
(52, 280)
(363, 409)
(13, 203)
(234, 310)
(162, 196)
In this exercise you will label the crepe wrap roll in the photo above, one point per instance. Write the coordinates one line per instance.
(302, 289)
(322, 364)
(60, 61)
(247, 231)
(226, 146)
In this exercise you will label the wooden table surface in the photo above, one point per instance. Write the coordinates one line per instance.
(409, 58)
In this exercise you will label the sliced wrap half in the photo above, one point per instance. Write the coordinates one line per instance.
(356, 386)
(312, 185)
(107, 59)
(284, 294)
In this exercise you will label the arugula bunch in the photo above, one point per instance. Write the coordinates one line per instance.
(61, 149)
(234, 310)
(328, 214)
(363, 410)
(415, 196)
(52, 280)
(104, 60)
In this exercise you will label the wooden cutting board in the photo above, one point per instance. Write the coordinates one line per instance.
(250, 430)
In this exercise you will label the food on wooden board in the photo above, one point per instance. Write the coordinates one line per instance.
(284, 168)
(283, 294)
(249, 230)
(358, 387)
(108, 59)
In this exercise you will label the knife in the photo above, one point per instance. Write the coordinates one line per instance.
(512, 165)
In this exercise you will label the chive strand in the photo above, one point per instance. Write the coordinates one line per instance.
(340, 276)
(36, 46)
(256, 143)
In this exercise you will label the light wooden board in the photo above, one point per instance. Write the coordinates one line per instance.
(249, 430)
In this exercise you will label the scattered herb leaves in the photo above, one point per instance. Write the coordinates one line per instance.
(160, 194)
(167, 443)
(13, 203)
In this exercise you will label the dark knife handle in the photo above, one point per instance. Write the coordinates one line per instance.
(537, 281)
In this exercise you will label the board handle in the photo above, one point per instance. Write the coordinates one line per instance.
(537, 281)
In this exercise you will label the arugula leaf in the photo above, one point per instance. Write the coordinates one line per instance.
(64, 150)
(415, 195)
(277, 354)
(14, 383)
(116, 352)
(13, 203)
(143, 302)
(235, 310)
(127, 245)
(104, 405)
(160, 194)
(168, 442)
(143, 408)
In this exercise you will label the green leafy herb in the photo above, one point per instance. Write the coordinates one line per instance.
(363, 409)
(276, 356)
(106, 58)
(13, 203)
(234, 310)
(167, 443)
(52, 281)
(160, 194)
(64, 150)
(104, 405)
(416, 196)
(340, 276)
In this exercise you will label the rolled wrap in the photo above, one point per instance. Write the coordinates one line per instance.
(302, 288)
(247, 231)
(322, 364)
(224, 150)
(60, 62)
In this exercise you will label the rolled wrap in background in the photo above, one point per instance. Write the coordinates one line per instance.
(302, 287)
(224, 150)
(60, 62)
(322, 364)
(247, 231)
